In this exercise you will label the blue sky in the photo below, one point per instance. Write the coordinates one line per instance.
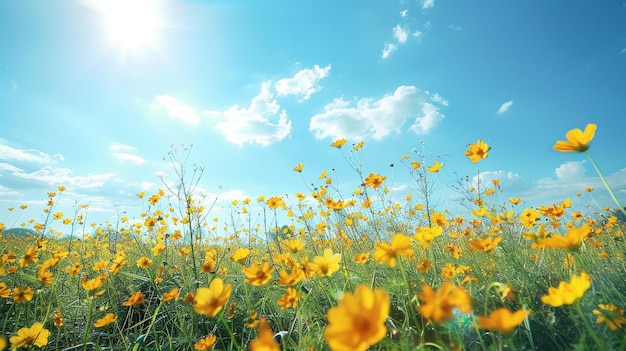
(94, 93)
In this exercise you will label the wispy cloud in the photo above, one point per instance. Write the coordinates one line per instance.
(262, 122)
(427, 4)
(304, 83)
(376, 119)
(505, 107)
(121, 147)
(63, 176)
(176, 109)
(400, 34)
(454, 27)
(123, 153)
(388, 50)
(404, 13)
(27, 155)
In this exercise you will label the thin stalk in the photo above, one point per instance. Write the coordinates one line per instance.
(606, 184)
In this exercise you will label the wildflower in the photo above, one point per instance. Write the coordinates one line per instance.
(57, 319)
(35, 335)
(539, 234)
(477, 151)
(205, 343)
(31, 255)
(289, 299)
(106, 320)
(289, 279)
(45, 277)
(240, 255)
(571, 241)
(258, 275)
(361, 258)
(529, 217)
(252, 321)
(274, 202)
(438, 305)
(209, 301)
(358, 146)
(135, 299)
(144, 262)
(415, 165)
(423, 265)
(23, 294)
(374, 180)
(435, 167)
(294, 245)
(503, 320)
(339, 143)
(265, 340)
(171, 295)
(326, 264)
(359, 320)
(485, 245)
(3, 343)
(298, 168)
(387, 253)
(568, 292)
(427, 235)
(577, 140)
(611, 315)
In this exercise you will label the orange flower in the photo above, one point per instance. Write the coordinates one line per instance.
(35, 335)
(258, 275)
(23, 294)
(438, 305)
(502, 320)
(135, 299)
(577, 140)
(276, 201)
(374, 180)
(339, 143)
(205, 343)
(387, 253)
(289, 279)
(359, 320)
(265, 340)
(289, 299)
(571, 241)
(144, 262)
(568, 292)
(171, 295)
(477, 151)
(298, 168)
(435, 167)
(611, 315)
(211, 300)
(104, 321)
(485, 245)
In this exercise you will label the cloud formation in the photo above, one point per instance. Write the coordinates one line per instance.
(400, 34)
(176, 109)
(505, 107)
(63, 176)
(123, 154)
(28, 155)
(304, 83)
(376, 119)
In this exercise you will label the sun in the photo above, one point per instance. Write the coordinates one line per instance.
(131, 25)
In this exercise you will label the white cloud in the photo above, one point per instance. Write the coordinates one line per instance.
(175, 109)
(29, 155)
(121, 147)
(9, 168)
(417, 34)
(263, 122)
(376, 119)
(56, 176)
(570, 170)
(128, 158)
(404, 13)
(400, 34)
(427, 4)
(304, 83)
(388, 50)
(147, 185)
(454, 27)
(505, 107)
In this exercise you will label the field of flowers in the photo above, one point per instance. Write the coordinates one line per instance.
(322, 270)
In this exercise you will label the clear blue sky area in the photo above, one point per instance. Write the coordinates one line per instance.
(93, 94)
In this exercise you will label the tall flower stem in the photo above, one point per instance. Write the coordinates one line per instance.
(606, 184)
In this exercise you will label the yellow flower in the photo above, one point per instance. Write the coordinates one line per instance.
(106, 320)
(240, 255)
(274, 202)
(3, 343)
(265, 340)
(299, 168)
(374, 180)
(23, 294)
(31, 255)
(35, 335)
(258, 275)
(577, 140)
(289, 279)
(358, 146)
(45, 277)
(571, 241)
(326, 264)
(358, 321)
(171, 295)
(503, 320)
(135, 299)
(438, 305)
(435, 167)
(339, 143)
(289, 299)
(423, 265)
(209, 301)
(567, 293)
(205, 343)
(611, 315)
(144, 262)
(294, 245)
(427, 235)
(485, 245)
(477, 151)
(361, 258)
(387, 253)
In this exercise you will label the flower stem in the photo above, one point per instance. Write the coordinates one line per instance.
(606, 184)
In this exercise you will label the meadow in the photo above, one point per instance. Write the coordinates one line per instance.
(322, 269)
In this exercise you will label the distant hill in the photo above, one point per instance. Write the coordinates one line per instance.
(25, 232)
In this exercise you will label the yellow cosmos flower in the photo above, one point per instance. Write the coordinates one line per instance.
(568, 292)
(478, 151)
(135, 299)
(23, 294)
(503, 320)
(435, 167)
(240, 255)
(104, 321)
(265, 340)
(577, 140)
(292, 278)
(171, 295)
(57, 319)
(361, 258)
(374, 180)
(258, 275)
(611, 315)
(28, 336)
(571, 241)
(211, 300)
(298, 168)
(205, 343)
(358, 321)
(275, 201)
(144, 262)
(439, 305)
(399, 246)
(3, 343)
(326, 264)
(427, 235)
(339, 143)
(289, 299)
(485, 245)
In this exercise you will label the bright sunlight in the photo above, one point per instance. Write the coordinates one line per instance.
(131, 25)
